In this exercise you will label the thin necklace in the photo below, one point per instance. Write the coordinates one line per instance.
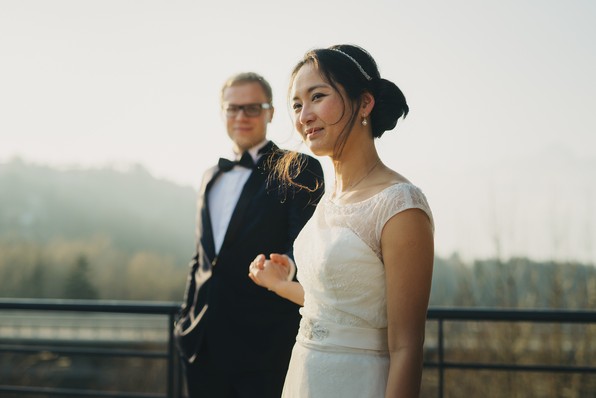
(353, 185)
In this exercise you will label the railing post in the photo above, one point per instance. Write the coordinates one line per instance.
(171, 357)
(441, 359)
(174, 380)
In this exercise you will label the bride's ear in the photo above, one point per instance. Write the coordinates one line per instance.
(367, 104)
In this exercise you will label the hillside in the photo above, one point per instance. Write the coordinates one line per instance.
(135, 211)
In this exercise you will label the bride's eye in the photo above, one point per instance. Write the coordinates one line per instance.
(317, 96)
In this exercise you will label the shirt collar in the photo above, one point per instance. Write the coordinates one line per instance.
(254, 151)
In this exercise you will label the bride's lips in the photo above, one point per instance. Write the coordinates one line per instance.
(312, 132)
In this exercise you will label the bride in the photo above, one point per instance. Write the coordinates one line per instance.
(364, 260)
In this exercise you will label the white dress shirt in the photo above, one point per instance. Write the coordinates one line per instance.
(224, 195)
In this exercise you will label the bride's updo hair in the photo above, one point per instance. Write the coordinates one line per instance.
(355, 70)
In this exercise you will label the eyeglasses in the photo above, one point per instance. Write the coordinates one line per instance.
(250, 110)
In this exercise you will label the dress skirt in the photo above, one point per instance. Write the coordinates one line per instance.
(328, 372)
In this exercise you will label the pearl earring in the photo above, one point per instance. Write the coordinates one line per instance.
(364, 121)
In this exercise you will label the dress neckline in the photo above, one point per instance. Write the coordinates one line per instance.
(370, 198)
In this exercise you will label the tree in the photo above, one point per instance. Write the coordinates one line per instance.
(78, 285)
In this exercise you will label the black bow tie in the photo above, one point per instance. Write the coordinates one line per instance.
(245, 161)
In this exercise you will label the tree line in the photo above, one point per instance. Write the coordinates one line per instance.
(97, 269)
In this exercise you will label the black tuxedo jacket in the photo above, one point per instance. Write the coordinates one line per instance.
(242, 325)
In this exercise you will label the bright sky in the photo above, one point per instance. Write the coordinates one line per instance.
(501, 136)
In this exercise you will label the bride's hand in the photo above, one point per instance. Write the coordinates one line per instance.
(268, 273)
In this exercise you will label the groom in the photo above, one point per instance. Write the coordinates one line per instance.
(235, 337)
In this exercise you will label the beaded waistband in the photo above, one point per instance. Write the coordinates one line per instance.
(327, 333)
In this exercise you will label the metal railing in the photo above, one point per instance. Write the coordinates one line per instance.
(174, 377)
(443, 315)
(166, 309)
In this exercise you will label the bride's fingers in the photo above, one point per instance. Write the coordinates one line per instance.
(260, 261)
(257, 264)
(279, 258)
(254, 277)
(253, 268)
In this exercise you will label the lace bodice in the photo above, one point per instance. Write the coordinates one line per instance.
(339, 259)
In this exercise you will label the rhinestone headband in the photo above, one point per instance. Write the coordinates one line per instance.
(355, 62)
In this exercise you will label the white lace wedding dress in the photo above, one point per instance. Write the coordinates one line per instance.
(341, 347)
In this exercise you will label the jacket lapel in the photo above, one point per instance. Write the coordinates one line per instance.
(248, 192)
(206, 229)
(254, 182)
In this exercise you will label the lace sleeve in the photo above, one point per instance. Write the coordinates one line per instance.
(397, 199)
(367, 218)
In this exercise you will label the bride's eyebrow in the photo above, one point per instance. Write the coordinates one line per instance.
(311, 89)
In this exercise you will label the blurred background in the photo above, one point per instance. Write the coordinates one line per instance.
(500, 135)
